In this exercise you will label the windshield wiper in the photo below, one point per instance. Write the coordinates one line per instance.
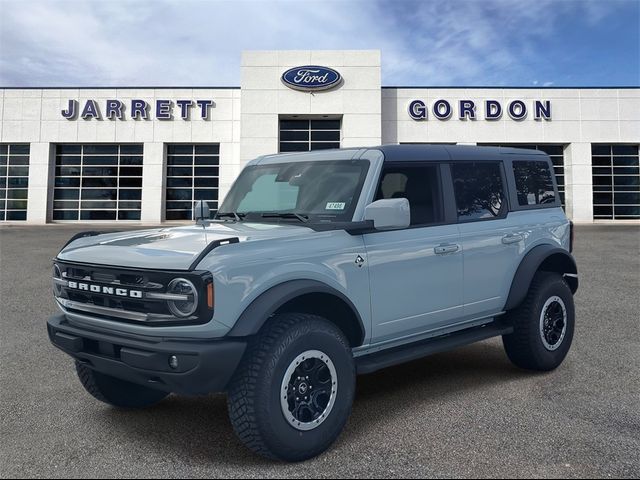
(236, 216)
(299, 216)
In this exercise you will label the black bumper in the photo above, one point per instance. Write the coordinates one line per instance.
(203, 367)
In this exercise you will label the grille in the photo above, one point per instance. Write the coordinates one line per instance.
(123, 295)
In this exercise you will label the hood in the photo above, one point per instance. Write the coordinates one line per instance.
(168, 248)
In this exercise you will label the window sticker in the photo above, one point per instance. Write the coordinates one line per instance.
(335, 206)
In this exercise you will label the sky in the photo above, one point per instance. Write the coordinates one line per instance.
(423, 43)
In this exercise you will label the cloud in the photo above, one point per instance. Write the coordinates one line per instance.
(191, 42)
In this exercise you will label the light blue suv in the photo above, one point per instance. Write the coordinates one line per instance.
(317, 267)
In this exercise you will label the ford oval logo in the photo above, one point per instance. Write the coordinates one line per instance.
(311, 78)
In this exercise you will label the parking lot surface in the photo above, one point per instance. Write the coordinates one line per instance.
(466, 413)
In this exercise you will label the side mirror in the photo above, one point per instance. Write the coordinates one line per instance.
(389, 214)
(201, 211)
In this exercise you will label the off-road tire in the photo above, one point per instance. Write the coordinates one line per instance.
(116, 392)
(525, 347)
(254, 396)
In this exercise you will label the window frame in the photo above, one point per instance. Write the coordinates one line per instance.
(181, 152)
(562, 191)
(615, 188)
(551, 176)
(513, 189)
(85, 154)
(9, 153)
(449, 211)
(309, 130)
(507, 189)
(349, 215)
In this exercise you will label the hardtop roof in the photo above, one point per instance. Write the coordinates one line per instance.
(404, 153)
(420, 152)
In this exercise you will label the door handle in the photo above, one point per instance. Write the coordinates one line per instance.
(442, 249)
(512, 238)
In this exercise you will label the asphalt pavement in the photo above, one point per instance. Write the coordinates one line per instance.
(465, 413)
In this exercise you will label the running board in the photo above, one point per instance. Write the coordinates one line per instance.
(413, 351)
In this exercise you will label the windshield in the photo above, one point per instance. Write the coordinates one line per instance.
(317, 191)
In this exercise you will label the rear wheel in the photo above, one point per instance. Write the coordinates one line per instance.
(293, 392)
(116, 392)
(543, 324)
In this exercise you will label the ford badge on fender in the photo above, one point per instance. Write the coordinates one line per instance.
(311, 78)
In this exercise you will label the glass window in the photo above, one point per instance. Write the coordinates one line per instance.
(420, 185)
(192, 174)
(534, 185)
(616, 181)
(323, 191)
(555, 152)
(307, 135)
(14, 181)
(479, 190)
(92, 179)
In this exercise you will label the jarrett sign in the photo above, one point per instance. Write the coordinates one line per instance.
(488, 109)
(137, 109)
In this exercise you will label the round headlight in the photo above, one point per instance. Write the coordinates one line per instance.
(187, 307)
(57, 289)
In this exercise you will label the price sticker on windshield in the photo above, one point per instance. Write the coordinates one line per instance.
(335, 206)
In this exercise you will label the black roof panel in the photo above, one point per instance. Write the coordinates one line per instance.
(426, 152)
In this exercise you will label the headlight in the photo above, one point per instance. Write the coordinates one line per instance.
(189, 304)
(57, 276)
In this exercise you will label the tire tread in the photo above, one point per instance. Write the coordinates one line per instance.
(243, 402)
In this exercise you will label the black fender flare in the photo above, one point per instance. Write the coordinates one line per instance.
(267, 303)
(557, 259)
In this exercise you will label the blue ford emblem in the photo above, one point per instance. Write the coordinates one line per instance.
(311, 77)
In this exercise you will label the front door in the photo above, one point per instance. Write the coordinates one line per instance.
(415, 273)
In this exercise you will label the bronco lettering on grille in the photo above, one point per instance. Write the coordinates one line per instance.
(120, 292)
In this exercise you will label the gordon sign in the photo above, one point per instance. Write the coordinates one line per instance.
(137, 109)
(491, 109)
(311, 78)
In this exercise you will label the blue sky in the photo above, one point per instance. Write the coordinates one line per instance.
(440, 42)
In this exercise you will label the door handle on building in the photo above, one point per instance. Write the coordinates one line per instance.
(442, 249)
(512, 238)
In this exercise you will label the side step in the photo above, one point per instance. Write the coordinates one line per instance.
(413, 351)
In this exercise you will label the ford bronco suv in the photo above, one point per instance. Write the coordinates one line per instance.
(317, 267)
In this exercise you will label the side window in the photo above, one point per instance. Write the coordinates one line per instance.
(534, 185)
(479, 190)
(420, 185)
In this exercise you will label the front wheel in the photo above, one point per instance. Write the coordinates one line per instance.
(293, 392)
(543, 324)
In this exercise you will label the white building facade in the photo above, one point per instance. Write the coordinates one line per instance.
(144, 155)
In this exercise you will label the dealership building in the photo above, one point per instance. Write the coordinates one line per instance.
(144, 155)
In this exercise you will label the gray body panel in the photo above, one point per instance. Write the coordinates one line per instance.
(403, 292)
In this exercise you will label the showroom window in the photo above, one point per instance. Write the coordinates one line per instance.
(98, 182)
(307, 135)
(555, 152)
(14, 181)
(616, 182)
(192, 175)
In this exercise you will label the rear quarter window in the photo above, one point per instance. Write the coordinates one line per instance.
(534, 184)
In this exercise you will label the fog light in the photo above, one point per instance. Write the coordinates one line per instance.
(173, 362)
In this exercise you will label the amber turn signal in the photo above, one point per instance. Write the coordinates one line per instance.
(210, 295)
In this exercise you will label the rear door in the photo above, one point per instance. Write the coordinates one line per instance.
(415, 273)
(489, 238)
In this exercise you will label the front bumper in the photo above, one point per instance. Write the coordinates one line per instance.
(203, 366)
